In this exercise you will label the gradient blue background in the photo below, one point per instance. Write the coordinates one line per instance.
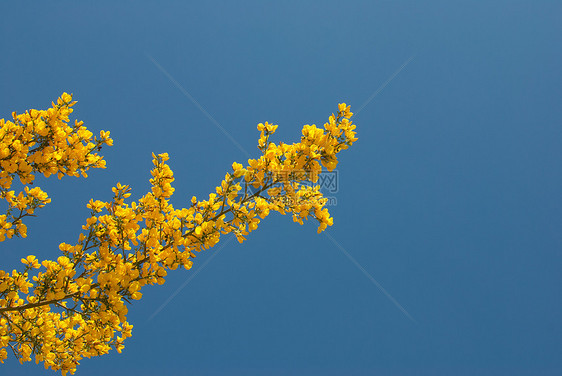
(450, 199)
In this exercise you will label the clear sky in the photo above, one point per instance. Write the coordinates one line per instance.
(446, 252)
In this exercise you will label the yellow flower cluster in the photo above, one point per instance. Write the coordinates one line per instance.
(41, 142)
(76, 306)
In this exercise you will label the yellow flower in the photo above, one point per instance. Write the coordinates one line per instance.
(126, 246)
(31, 261)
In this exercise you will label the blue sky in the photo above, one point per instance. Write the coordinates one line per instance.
(450, 200)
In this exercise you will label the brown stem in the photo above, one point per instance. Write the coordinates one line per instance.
(38, 304)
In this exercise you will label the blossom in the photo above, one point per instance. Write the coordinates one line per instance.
(77, 306)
